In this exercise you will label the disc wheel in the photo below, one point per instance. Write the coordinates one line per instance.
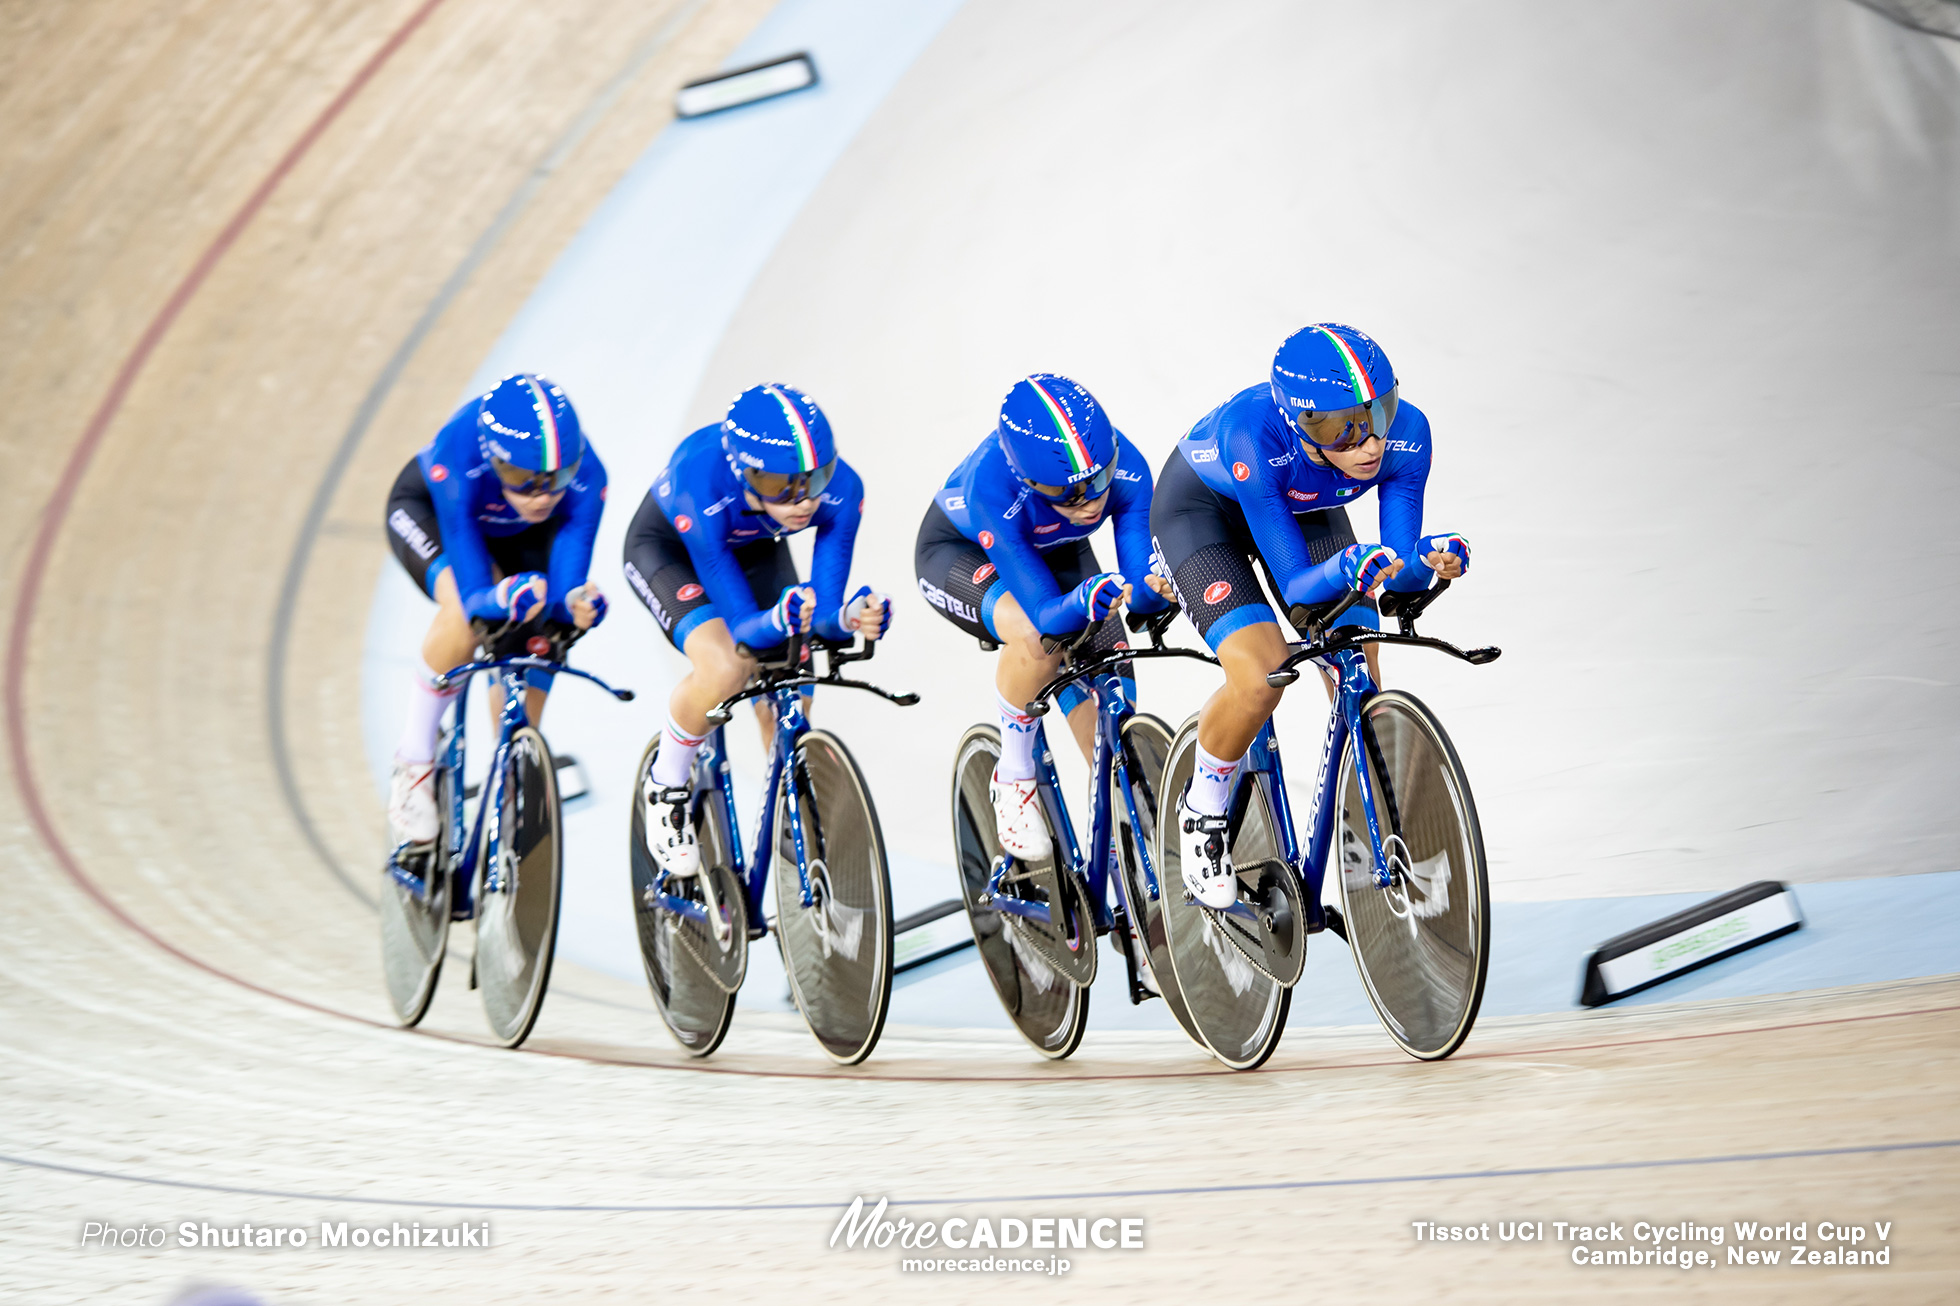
(1146, 748)
(415, 930)
(838, 950)
(693, 969)
(519, 870)
(1047, 1010)
(1423, 943)
(1237, 1012)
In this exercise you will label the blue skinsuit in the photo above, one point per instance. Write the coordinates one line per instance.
(1247, 434)
(470, 504)
(703, 498)
(988, 504)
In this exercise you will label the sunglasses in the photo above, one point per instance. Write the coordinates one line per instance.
(788, 487)
(1073, 496)
(529, 484)
(1346, 428)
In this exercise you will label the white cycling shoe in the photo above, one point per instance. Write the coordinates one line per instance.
(412, 802)
(1207, 868)
(1018, 820)
(670, 833)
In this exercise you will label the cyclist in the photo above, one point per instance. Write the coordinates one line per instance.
(1267, 476)
(494, 519)
(1004, 554)
(708, 553)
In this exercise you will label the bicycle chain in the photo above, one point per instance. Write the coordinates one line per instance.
(1046, 940)
(1221, 923)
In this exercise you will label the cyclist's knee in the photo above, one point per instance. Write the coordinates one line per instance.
(718, 667)
(1247, 657)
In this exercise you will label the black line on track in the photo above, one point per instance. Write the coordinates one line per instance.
(1365, 1181)
(370, 408)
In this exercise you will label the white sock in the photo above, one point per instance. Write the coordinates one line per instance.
(1211, 783)
(676, 757)
(1016, 742)
(425, 708)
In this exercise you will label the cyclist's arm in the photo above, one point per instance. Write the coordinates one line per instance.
(1401, 524)
(1401, 508)
(1263, 500)
(1129, 503)
(1024, 575)
(571, 547)
(721, 576)
(830, 561)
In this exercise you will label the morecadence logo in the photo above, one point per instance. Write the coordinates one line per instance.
(982, 1237)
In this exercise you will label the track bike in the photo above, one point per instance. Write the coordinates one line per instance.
(1414, 892)
(503, 870)
(1036, 923)
(820, 832)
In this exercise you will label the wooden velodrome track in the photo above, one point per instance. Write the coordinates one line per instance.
(224, 228)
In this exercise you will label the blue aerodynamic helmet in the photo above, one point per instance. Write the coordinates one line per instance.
(1334, 385)
(778, 441)
(529, 431)
(1057, 439)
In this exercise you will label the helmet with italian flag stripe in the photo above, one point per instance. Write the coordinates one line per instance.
(1057, 438)
(1334, 385)
(778, 441)
(530, 434)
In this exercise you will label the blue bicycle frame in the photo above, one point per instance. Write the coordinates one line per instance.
(1353, 687)
(1110, 777)
(711, 775)
(1106, 765)
(462, 860)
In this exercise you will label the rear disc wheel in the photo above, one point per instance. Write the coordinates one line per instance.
(415, 930)
(1236, 1011)
(1045, 1008)
(1146, 750)
(693, 969)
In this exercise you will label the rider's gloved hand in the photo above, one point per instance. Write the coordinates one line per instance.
(587, 605)
(867, 612)
(1367, 565)
(1159, 579)
(793, 610)
(514, 598)
(1100, 595)
(1447, 554)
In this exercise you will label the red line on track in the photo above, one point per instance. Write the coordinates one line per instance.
(55, 515)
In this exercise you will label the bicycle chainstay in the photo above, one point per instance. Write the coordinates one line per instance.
(1228, 927)
(1078, 968)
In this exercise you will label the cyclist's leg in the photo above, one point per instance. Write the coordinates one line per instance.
(955, 577)
(416, 539)
(660, 572)
(1203, 542)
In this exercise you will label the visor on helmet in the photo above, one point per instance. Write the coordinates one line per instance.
(1070, 496)
(522, 480)
(788, 487)
(1344, 428)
